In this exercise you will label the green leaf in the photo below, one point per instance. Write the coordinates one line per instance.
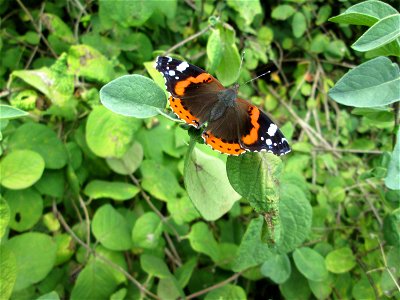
(282, 12)
(35, 254)
(166, 289)
(296, 217)
(119, 295)
(95, 281)
(365, 13)
(252, 251)
(109, 134)
(184, 273)
(125, 13)
(214, 50)
(277, 268)
(134, 96)
(202, 240)
(310, 263)
(391, 228)
(381, 33)
(208, 186)
(57, 27)
(228, 68)
(362, 87)
(227, 292)
(49, 296)
(254, 177)
(299, 24)
(129, 162)
(9, 112)
(51, 183)
(26, 208)
(182, 209)
(390, 49)
(392, 180)
(120, 191)
(321, 289)
(340, 260)
(65, 248)
(154, 266)
(146, 232)
(110, 229)
(296, 287)
(362, 289)
(89, 63)
(248, 10)
(159, 181)
(8, 274)
(4, 216)
(21, 169)
(41, 139)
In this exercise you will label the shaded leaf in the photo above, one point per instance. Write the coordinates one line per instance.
(120, 191)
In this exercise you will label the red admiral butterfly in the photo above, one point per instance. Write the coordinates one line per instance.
(233, 125)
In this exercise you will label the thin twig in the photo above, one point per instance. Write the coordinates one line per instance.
(37, 28)
(371, 205)
(188, 39)
(360, 151)
(370, 279)
(215, 286)
(85, 212)
(93, 252)
(387, 268)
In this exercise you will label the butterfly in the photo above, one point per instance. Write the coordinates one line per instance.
(232, 125)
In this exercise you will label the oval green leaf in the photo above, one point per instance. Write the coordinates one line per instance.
(121, 191)
(392, 180)
(208, 186)
(363, 86)
(8, 267)
(296, 217)
(129, 162)
(95, 281)
(4, 216)
(380, 34)
(35, 254)
(147, 231)
(9, 112)
(277, 268)
(254, 176)
(111, 229)
(282, 12)
(296, 287)
(310, 263)
(43, 140)
(109, 134)
(227, 292)
(21, 169)
(340, 260)
(134, 96)
(299, 24)
(26, 208)
(365, 13)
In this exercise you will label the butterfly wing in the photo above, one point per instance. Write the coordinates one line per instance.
(193, 91)
(261, 133)
(242, 128)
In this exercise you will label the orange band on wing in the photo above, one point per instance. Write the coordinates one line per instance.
(252, 137)
(222, 146)
(182, 112)
(182, 85)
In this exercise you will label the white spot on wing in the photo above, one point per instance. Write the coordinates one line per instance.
(272, 129)
(269, 142)
(169, 59)
(171, 72)
(262, 138)
(176, 77)
(182, 66)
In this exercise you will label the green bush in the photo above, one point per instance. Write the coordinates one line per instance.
(106, 195)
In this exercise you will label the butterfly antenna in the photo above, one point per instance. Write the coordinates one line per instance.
(257, 77)
(241, 64)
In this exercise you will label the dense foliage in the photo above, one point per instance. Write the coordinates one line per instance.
(106, 195)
